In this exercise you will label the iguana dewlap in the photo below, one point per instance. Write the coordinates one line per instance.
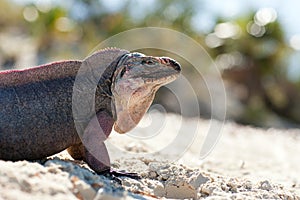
(36, 118)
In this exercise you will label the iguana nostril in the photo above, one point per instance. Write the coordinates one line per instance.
(173, 63)
(163, 60)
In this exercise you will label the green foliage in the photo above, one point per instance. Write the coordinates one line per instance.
(259, 55)
(252, 54)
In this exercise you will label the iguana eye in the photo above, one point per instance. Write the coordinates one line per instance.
(148, 62)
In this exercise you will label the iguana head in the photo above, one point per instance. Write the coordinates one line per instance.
(135, 81)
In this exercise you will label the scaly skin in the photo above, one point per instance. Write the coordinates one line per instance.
(36, 118)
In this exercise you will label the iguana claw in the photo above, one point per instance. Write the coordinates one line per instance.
(114, 175)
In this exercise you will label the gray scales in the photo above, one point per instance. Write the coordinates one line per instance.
(36, 116)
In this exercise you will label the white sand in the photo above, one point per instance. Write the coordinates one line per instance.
(247, 163)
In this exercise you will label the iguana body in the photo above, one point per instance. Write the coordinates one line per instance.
(36, 116)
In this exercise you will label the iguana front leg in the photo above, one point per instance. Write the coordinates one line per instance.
(80, 152)
(94, 151)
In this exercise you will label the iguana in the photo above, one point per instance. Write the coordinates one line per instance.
(37, 115)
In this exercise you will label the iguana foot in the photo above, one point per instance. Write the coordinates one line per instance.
(113, 174)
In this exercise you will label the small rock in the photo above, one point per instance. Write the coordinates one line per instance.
(198, 180)
(207, 190)
(248, 185)
(265, 185)
(180, 191)
(154, 166)
(152, 174)
(25, 185)
(164, 173)
(159, 190)
(85, 190)
(232, 184)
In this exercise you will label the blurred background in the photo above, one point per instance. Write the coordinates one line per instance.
(255, 44)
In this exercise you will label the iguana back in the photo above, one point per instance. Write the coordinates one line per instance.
(37, 112)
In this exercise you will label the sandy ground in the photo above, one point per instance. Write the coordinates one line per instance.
(246, 163)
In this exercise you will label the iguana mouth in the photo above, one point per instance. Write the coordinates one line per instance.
(160, 79)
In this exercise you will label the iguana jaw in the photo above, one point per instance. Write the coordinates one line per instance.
(135, 82)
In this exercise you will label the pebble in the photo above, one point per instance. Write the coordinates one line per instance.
(265, 185)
